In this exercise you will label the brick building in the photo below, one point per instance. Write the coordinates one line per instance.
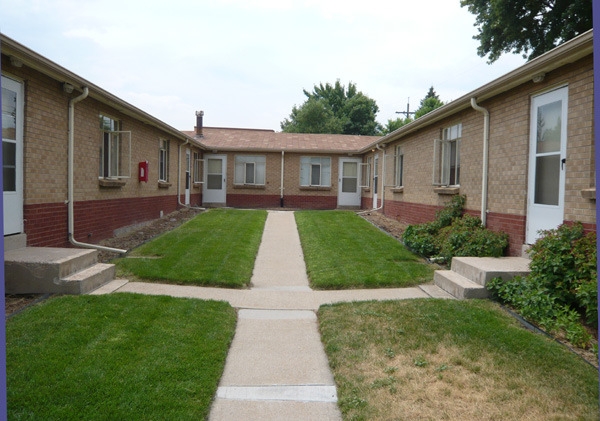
(521, 149)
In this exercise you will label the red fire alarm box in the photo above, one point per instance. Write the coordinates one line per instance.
(143, 171)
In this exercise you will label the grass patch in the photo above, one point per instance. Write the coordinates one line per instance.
(438, 359)
(216, 248)
(119, 356)
(342, 250)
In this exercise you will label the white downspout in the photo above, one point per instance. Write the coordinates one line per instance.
(486, 141)
(179, 173)
(70, 194)
(282, 171)
(382, 176)
(179, 179)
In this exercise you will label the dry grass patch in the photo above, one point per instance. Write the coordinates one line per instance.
(435, 360)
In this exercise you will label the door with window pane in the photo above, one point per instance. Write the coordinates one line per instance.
(349, 192)
(547, 162)
(215, 181)
(12, 155)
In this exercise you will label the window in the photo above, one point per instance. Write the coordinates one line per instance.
(366, 173)
(115, 150)
(197, 168)
(315, 171)
(163, 160)
(399, 168)
(446, 153)
(250, 169)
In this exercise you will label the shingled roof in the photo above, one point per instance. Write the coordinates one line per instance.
(256, 140)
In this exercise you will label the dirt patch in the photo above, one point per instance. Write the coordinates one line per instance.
(392, 226)
(138, 235)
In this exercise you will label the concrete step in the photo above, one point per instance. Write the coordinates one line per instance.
(34, 270)
(459, 286)
(483, 269)
(88, 279)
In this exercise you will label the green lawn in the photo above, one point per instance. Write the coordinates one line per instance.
(116, 357)
(342, 250)
(436, 359)
(215, 248)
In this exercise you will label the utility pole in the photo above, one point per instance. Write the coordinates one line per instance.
(408, 112)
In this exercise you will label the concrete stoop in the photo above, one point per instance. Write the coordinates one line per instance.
(33, 270)
(468, 276)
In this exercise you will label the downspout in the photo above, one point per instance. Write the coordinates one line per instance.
(70, 188)
(179, 174)
(382, 176)
(486, 141)
(281, 188)
(179, 179)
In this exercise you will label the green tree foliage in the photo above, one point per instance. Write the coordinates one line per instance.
(393, 125)
(529, 27)
(429, 103)
(334, 109)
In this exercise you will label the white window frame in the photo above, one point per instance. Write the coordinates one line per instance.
(163, 160)
(250, 170)
(312, 167)
(446, 157)
(115, 150)
(365, 179)
(197, 170)
(399, 167)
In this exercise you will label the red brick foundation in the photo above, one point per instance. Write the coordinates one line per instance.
(46, 224)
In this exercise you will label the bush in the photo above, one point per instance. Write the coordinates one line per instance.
(561, 289)
(452, 234)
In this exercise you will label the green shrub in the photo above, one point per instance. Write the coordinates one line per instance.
(452, 234)
(561, 289)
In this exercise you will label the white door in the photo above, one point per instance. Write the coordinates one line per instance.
(547, 162)
(215, 182)
(188, 172)
(375, 181)
(349, 193)
(12, 155)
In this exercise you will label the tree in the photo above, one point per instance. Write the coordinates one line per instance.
(429, 103)
(334, 109)
(393, 125)
(529, 27)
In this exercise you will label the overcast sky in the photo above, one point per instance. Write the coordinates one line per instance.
(246, 62)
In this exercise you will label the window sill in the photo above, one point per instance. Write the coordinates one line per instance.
(164, 184)
(316, 188)
(398, 189)
(450, 191)
(589, 193)
(197, 185)
(111, 182)
(250, 186)
(366, 189)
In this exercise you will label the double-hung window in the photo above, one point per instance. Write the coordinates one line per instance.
(197, 168)
(250, 170)
(315, 171)
(115, 149)
(163, 160)
(399, 168)
(446, 165)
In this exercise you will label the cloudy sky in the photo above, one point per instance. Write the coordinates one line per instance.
(246, 62)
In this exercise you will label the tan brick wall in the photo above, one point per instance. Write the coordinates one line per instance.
(508, 150)
(46, 147)
(273, 175)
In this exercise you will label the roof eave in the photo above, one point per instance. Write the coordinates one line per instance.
(569, 52)
(53, 70)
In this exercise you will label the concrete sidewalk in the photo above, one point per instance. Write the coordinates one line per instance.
(276, 368)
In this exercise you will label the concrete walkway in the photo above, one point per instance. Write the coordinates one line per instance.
(276, 368)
